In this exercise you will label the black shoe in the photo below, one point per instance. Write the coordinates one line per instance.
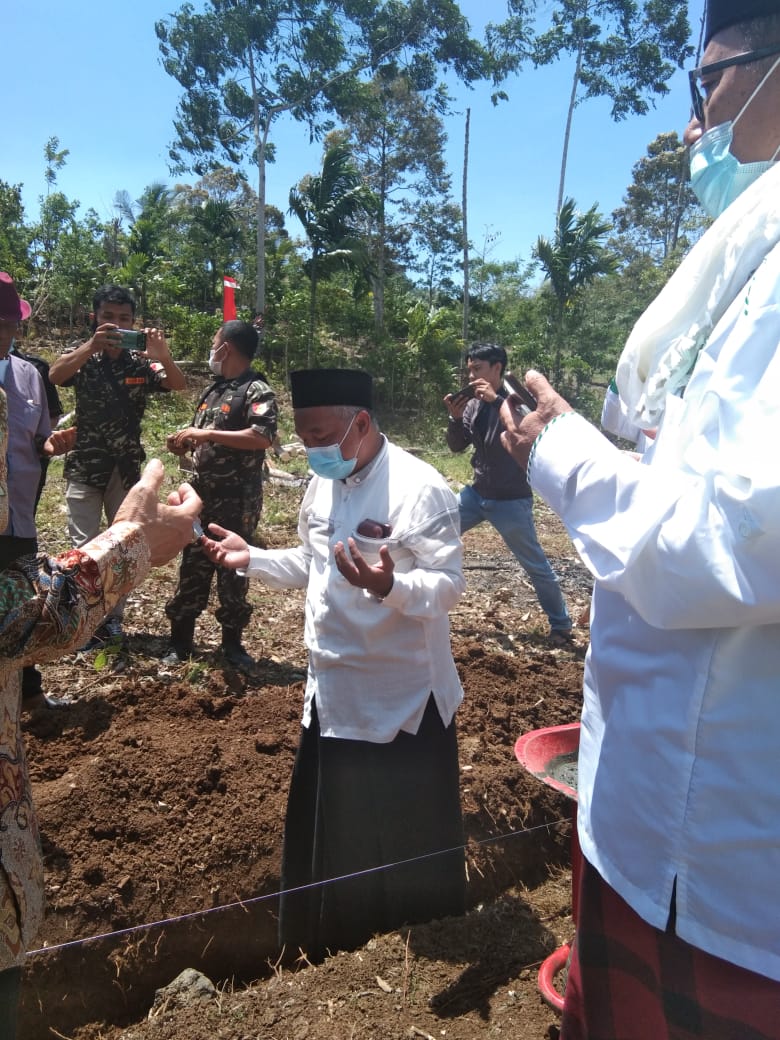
(561, 638)
(181, 646)
(47, 700)
(235, 654)
(32, 682)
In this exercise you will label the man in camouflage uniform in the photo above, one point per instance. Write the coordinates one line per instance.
(234, 424)
(111, 386)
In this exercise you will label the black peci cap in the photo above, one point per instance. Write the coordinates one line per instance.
(721, 14)
(315, 387)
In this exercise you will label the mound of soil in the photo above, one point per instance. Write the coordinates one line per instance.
(161, 797)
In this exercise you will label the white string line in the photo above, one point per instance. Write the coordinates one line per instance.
(244, 903)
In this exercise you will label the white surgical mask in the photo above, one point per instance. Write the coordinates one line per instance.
(214, 365)
(717, 176)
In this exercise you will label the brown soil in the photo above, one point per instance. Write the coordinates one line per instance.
(161, 796)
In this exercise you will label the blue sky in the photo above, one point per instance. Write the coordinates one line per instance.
(92, 77)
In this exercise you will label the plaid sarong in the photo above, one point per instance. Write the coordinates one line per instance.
(630, 981)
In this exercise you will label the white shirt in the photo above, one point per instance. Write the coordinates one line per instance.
(614, 419)
(680, 740)
(374, 663)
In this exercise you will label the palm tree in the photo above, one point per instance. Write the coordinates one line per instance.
(329, 205)
(571, 261)
(149, 219)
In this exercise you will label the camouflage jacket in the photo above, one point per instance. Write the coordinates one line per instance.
(233, 404)
(110, 403)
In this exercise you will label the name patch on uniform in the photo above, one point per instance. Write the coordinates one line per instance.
(135, 381)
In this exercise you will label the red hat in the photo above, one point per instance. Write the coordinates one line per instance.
(12, 306)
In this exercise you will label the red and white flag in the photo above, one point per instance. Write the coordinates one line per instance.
(229, 286)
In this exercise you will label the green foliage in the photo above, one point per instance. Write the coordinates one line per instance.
(572, 260)
(189, 332)
(624, 50)
(430, 356)
(329, 205)
(243, 66)
(660, 215)
(396, 133)
(14, 236)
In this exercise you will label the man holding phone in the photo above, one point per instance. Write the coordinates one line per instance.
(500, 493)
(111, 384)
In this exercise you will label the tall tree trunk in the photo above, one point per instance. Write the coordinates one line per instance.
(260, 130)
(312, 309)
(465, 241)
(379, 281)
(567, 133)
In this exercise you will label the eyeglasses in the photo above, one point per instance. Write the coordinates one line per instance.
(716, 66)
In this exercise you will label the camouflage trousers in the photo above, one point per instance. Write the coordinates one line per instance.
(191, 597)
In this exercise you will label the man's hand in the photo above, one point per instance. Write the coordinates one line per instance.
(181, 441)
(455, 408)
(483, 391)
(105, 335)
(60, 442)
(377, 580)
(230, 551)
(520, 431)
(156, 345)
(167, 528)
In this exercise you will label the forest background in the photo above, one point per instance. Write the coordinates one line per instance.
(372, 263)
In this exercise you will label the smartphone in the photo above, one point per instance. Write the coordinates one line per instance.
(374, 529)
(464, 394)
(515, 388)
(131, 340)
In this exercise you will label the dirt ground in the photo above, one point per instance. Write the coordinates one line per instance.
(161, 797)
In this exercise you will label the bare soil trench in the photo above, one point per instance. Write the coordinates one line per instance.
(161, 798)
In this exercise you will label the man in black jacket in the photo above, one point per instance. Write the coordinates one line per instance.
(500, 493)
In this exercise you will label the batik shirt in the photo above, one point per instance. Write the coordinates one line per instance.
(47, 606)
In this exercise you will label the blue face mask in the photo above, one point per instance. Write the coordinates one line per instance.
(717, 176)
(329, 463)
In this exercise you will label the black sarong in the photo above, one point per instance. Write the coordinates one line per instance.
(356, 805)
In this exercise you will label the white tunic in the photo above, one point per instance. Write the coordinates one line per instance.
(374, 663)
(680, 742)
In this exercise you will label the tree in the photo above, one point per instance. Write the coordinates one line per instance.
(625, 50)
(660, 213)
(57, 214)
(217, 217)
(14, 236)
(437, 232)
(78, 268)
(431, 349)
(396, 133)
(573, 259)
(243, 65)
(55, 159)
(329, 205)
(148, 240)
